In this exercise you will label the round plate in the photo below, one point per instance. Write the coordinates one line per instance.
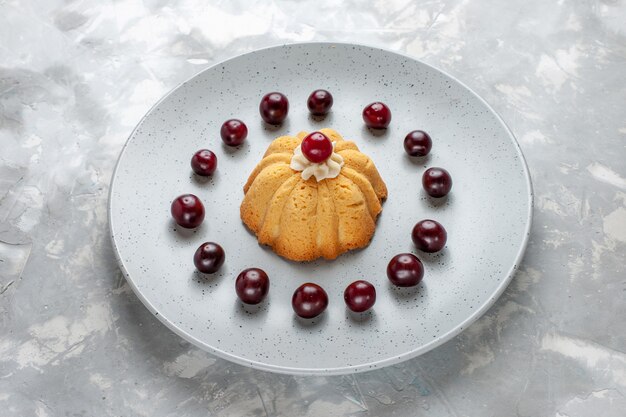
(487, 214)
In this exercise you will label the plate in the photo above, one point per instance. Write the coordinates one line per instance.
(487, 214)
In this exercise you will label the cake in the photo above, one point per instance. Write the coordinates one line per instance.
(305, 210)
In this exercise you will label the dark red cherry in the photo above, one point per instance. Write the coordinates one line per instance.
(309, 300)
(316, 147)
(360, 296)
(274, 108)
(204, 162)
(405, 270)
(320, 102)
(252, 285)
(417, 143)
(437, 182)
(188, 211)
(209, 257)
(234, 132)
(429, 236)
(377, 115)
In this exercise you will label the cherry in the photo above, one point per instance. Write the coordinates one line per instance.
(437, 182)
(233, 132)
(209, 257)
(188, 211)
(252, 285)
(309, 300)
(417, 143)
(405, 270)
(204, 162)
(316, 147)
(320, 102)
(429, 236)
(360, 296)
(377, 115)
(274, 108)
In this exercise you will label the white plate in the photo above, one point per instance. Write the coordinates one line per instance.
(487, 215)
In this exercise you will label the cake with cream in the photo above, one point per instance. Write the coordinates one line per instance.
(313, 195)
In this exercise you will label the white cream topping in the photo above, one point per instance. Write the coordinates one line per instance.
(330, 168)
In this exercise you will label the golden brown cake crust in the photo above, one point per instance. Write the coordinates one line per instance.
(303, 220)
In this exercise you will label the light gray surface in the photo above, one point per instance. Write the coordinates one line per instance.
(76, 77)
(486, 215)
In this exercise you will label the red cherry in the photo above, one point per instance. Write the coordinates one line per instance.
(188, 211)
(377, 115)
(405, 270)
(209, 257)
(429, 236)
(252, 285)
(204, 162)
(360, 296)
(417, 143)
(233, 132)
(320, 102)
(274, 108)
(309, 300)
(316, 147)
(437, 182)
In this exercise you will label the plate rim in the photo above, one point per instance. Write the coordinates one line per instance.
(342, 370)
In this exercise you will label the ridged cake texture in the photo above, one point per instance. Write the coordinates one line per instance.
(303, 220)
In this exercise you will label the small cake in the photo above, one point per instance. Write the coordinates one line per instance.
(305, 209)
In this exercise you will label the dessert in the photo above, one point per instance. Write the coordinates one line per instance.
(306, 210)
(405, 270)
(437, 182)
(309, 300)
(377, 115)
(314, 195)
(319, 102)
(360, 296)
(209, 257)
(417, 143)
(252, 285)
(274, 108)
(188, 211)
(233, 132)
(429, 236)
(204, 162)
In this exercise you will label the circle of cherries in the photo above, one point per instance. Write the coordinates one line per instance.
(310, 300)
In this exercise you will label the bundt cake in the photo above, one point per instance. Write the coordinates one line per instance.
(305, 210)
